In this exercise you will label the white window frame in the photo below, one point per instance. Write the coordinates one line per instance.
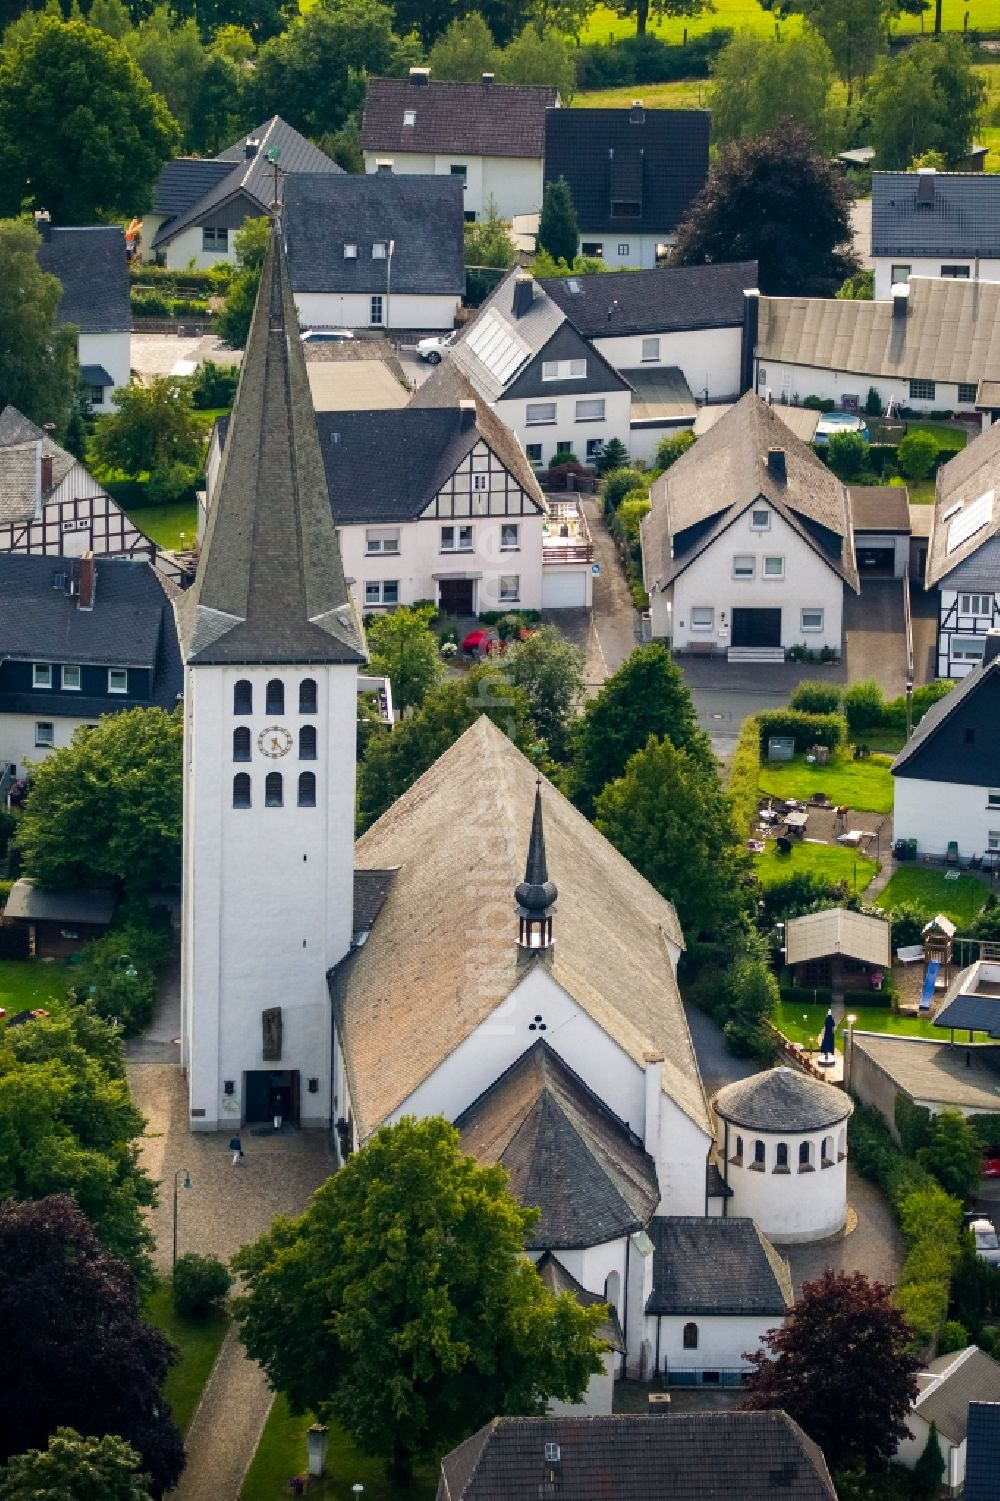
(897, 279)
(756, 523)
(993, 798)
(624, 248)
(647, 345)
(744, 573)
(595, 447)
(707, 621)
(812, 610)
(595, 416)
(376, 320)
(975, 604)
(960, 648)
(117, 672)
(511, 594)
(41, 675)
(378, 250)
(928, 393)
(770, 573)
(45, 732)
(409, 117)
(534, 453)
(993, 839)
(66, 676)
(515, 544)
(461, 538)
(210, 240)
(967, 391)
(536, 407)
(350, 252)
(564, 369)
(480, 482)
(375, 590)
(382, 542)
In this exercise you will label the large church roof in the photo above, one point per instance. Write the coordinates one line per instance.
(270, 585)
(443, 955)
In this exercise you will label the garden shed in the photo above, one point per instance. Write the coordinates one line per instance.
(838, 948)
(59, 922)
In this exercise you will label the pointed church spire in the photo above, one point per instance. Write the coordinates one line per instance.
(536, 894)
(270, 585)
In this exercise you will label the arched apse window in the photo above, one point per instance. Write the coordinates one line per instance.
(827, 1151)
(273, 790)
(781, 1157)
(243, 697)
(241, 790)
(307, 789)
(275, 696)
(805, 1155)
(759, 1153)
(307, 696)
(241, 744)
(307, 743)
(690, 1336)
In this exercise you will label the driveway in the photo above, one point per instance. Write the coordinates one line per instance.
(158, 354)
(614, 615)
(874, 1246)
(875, 633)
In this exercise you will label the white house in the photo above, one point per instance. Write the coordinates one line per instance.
(782, 1143)
(489, 135)
(199, 204)
(929, 223)
(92, 266)
(926, 348)
(963, 558)
(375, 252)
(947, 1388)
(748, 547)
(947, 776)
(523, 356)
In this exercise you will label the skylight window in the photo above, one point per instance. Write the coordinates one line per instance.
(409, 117)
(574, 286)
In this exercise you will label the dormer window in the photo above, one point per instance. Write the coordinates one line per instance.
(41, 675)
(350, 252)
(409, 117)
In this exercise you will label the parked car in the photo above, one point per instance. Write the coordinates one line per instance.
(326, 335)
(840, 422)
(991, 1163)
(987, 1241)
(431, 348)
(480, 643)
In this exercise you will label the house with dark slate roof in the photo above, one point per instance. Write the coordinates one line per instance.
(376, 251)
(79, 637)
(92, 266)
(753, 1456)
(489, 135)
(633, 174)
(930, 223)
(199, 204)
(963, 558)
(949, 1387)
(947, 776)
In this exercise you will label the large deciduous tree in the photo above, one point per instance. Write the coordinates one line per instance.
(401, 1305)
(643, 9)
(106, 809)
(153, 427)
(82, 133)
(72, 1468)
(760, 82)
(927, 98)
(802, 242)
(401, 646)
(840, 1367)
(854, 31)
(540, 55)
(646, 696)
(74, 1350)
(250, 246)
(953, 1154)
(464, 51)
(38, 367)
(550, 671)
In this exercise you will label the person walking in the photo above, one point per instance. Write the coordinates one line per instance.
(236, 1147)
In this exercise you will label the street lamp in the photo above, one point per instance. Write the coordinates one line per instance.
(124, 962)
(849, 1049)
(186, 1184)
(357, 1488)
(909, 709)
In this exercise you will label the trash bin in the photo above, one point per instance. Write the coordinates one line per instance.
(911, 849)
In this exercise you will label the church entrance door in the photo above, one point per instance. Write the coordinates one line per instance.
(271, 1092)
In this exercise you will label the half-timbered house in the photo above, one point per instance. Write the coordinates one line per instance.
(963, 560)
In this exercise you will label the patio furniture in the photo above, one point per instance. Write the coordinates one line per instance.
(853, 838)
(795, 822)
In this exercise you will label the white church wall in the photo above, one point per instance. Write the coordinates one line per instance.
(599, 1396)
(797, 1204)
(721, 1341)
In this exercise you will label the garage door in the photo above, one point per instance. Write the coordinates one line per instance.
(564, 588)
(756, 628)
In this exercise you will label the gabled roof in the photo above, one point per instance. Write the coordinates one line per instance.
(935, 213)
(72, 904)
(270, 584)
(558, 1280)
(966, 505)
(388, 465)
(880, 508)
(93, 268)
(723, 473)
(251, 176)
(982, 1461)
(470, 119)
(655, 158)
(422, 215)
(661, 301)
(17, 431)
(965, 1377)
(836, 930)
(755, 1456)
(973, 701)
(951, 333)
(782, 1099)
(716, 1268)
(410, 996)
(566, 1153)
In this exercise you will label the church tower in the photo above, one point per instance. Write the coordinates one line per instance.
(271, 645)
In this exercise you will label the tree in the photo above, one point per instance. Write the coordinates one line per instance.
(840, 1367)
(803, 242)
(847, 455)
(550, 671)
(614, 455)
(928, 1470)
(854, 32)
(401, 1303)
(154, 429)
(250, 246)
(670, 819)
(464, 51)
(643, 9)
(927, 98)
(38, 368)
(200, 1286)
(567, 18)
(558, 231)
(646, 696)
(261, 19)
(488, 242)
(953, 1154)
(669, 450)
(106, 809)
(68, 1125)
(393, 762)
(749, 996)
(203, 86)
(859, 288)
(72, 1468)
(81, 132)
(540, 55)
(760, 82)
(402, 648)
(916, 454)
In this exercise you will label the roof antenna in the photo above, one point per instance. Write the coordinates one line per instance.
(273, 154)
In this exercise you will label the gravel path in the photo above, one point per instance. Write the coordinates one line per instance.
(227, 1427)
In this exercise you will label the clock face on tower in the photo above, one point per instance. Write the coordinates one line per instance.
(274, 741)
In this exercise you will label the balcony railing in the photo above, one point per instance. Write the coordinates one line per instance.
(566, 537)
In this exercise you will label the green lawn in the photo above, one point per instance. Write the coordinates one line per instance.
(684, 93)
(921, 492)
(746, 15)
(26, 984)
(802, 1022)
(830, 861)
(952, 438)
(960, 900)
(885, 741)
(855, 784)
(281, 1455)
(172, 526)
(198, 1342)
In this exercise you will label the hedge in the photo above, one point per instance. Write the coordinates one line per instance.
(885, 997)
(744, 776)
(894, 712)
(805, 729)
(647, 59)
(806, 995)
(815, 696)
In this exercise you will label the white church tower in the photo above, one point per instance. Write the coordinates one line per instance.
(271, 645)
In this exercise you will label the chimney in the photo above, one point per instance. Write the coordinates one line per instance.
(776, 464)
(421, 77)
(991, 646)
(637, 115)
(900, 300)
(43, 223)
(658, 1404)
(488, 79)
(383, 166)
(250, 148)
(654, 1101)
(46, 468)
(748, 338)
(88, 582)
(466, 414)
(524, 295)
